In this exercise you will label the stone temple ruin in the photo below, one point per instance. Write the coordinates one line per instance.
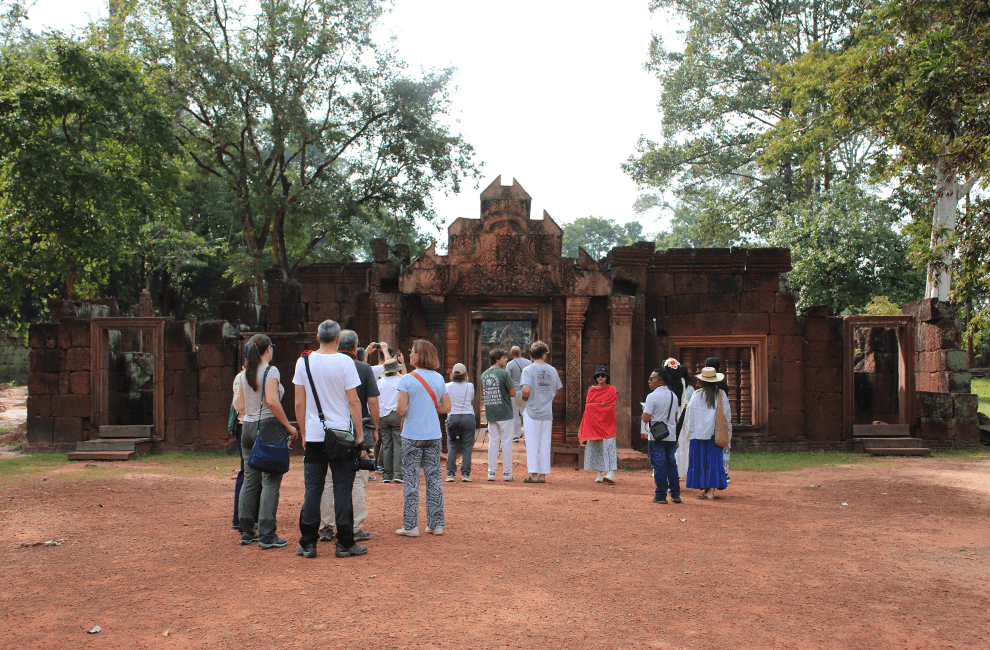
(105, 383)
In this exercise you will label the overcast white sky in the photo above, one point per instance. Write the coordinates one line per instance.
(550, 92)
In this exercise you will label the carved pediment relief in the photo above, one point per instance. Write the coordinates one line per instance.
(505, 252)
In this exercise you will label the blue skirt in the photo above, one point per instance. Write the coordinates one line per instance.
(705, 467)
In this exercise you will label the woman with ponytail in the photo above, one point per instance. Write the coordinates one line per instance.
(678, 380)
(263, 419)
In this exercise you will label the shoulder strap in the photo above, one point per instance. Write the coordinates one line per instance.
(427, 387)
(264, 379)
(312, 386)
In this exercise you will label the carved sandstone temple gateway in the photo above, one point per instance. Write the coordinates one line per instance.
(797, 381)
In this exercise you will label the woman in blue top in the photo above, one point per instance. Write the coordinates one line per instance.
(420, 412)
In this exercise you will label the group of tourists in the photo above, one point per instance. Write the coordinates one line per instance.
(335, 389)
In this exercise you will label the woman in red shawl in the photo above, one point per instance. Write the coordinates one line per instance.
(598, 427)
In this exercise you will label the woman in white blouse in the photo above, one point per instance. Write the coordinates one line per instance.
(705, 469)
(461, 423)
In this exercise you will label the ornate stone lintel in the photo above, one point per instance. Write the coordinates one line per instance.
(577, 306)
(620, 310)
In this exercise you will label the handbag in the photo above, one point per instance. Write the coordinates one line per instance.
(341, 442)
(271, 457)
(721, 425)
(659, 429)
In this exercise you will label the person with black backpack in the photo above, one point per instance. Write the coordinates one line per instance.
(660, 414)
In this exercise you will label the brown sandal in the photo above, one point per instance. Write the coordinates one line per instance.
(529, 479)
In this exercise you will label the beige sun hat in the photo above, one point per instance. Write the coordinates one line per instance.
(708, 374)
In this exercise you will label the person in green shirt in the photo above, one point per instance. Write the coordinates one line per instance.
(497, 391)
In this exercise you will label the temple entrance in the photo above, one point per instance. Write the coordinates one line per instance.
(492, 329)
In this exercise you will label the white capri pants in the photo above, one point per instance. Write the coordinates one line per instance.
(538, 433)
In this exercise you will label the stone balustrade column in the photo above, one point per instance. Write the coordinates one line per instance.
(620, 309)
(577, 306)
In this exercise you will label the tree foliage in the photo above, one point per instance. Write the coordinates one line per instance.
(306, 121)
(845, 251)
(597, 236)
(86, 161)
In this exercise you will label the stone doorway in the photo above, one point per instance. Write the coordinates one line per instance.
(497, 329)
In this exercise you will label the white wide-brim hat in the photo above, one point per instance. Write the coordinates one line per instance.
(708, 374)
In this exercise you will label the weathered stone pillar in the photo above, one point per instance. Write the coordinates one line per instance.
(434, 308)
(577, 306)
(620, 309)
(389, 306)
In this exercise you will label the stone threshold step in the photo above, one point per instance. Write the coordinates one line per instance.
(900, 451)
(867, 443)
(126, 431)
(881, 431)
(139, 445)
(101, 455)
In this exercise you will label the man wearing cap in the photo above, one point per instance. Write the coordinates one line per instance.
(497, 390)
(515, 369)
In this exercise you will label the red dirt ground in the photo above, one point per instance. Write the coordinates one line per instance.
(778, 562)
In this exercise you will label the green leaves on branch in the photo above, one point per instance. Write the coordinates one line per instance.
(306, 121)
(598, 236)
(86, 158)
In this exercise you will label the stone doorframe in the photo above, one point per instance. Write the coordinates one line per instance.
(904, 325)
(99, 343)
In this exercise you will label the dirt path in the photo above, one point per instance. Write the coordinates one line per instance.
(779, 562)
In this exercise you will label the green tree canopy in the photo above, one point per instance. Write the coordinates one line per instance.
(307, 122)
(597, 236)
(86, 160)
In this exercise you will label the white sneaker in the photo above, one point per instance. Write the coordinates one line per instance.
(601, 477)
(610, 477)
(508, 477)
(466, 479)
(407, 532)
(449, 479)
(491, 476)
(438, 530)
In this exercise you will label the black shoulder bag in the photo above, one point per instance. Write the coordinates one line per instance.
(659, 429)
(339, 444)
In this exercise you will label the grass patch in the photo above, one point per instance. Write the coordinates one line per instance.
(965, 453)
(189, 464)
(784, 461)
(26, 467)
(981, 387)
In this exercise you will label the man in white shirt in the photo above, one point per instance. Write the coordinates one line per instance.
(515, 369)
(661, 406)
(336, 380)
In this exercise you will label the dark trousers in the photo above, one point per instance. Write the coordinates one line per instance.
(315, 466)
(238, 483)
(665, 469)
(463, 427)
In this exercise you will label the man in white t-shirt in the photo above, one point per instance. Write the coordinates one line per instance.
(336, 380)
(661, 406)
(515, 369)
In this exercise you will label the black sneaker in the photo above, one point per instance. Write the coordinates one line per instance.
(676, 499)
(357, 549)
(247, 538)
(278, 542)
(306, 551)
(659, 500)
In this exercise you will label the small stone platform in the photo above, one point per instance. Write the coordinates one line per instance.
(115, 443)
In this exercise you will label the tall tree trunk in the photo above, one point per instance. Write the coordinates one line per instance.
(947, 192)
